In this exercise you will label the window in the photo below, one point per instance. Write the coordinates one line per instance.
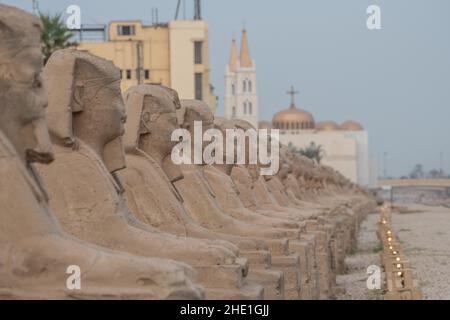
(249, 86)
(199, 86)
(198, 50)
(244, 86)
(128, 74)
(126, 30)
(147, 74)
(233, 112)
(233, 89)
(250, 108)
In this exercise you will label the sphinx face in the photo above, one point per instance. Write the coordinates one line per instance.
(108, 112)
(159, 116)
(100, 121)
(114, 117)
(285, 169)
(23, 107)
(207, 121)
(253, 170)
(207, 124)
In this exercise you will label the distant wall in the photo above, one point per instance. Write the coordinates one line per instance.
(415, 182)
(434, 196)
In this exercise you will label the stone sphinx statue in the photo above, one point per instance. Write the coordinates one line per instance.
(210, 213)
(201, 201)
(333, 212)
(35, 253)
(151, 194)
(297, 182)
(256, 197)
(86, 115)
(284, 184)
(314, 180)
(255, 194)
(253, 189)
(217, 178)
(203, 205)
(272, 194)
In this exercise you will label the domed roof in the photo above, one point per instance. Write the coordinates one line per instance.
(293, 118)
(265, 125)
(327, 126)
(293, 115)
(351, 126)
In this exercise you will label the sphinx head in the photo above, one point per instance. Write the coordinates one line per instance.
(285, 163)
(85, 103)
(195, 110)
(305, 167)
(152, 117)
(22, 94)
(296, 166)
(191, 113)
(224, 125)
(253, 168)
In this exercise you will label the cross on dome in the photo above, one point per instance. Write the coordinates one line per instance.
(292, 93)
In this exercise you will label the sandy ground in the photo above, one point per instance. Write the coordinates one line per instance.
(352, 285)
(425, 237)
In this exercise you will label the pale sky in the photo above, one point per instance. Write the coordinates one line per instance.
(395, 81)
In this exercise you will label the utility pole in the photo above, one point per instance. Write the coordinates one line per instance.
(385, 171)
(177, 11)
(441, 165)
(197, 10)
(35, 6)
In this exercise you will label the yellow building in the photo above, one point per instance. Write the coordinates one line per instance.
(175, 54)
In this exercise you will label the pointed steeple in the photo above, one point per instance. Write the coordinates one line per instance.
(233, 55)
(246, 60)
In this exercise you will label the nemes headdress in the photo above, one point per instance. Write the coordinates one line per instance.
(139, 117)
(18, 30)
(67, 75)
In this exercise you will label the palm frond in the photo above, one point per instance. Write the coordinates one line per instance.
(55, 34)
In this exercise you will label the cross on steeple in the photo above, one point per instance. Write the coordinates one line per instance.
(292, 93)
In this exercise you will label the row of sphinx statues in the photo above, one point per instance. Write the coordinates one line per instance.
(86, 180)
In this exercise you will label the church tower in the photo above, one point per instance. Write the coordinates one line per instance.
(241, 99)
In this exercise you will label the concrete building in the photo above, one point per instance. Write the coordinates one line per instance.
(345, 147)
(174, 54)
(241, 98)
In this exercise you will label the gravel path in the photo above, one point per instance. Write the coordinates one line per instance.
(425, 237)
(353, 285)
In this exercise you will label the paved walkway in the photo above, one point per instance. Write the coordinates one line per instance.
(353, 283)
(425, 237)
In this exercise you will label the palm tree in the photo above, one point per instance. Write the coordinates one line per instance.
(313, 152)
(55, 34)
